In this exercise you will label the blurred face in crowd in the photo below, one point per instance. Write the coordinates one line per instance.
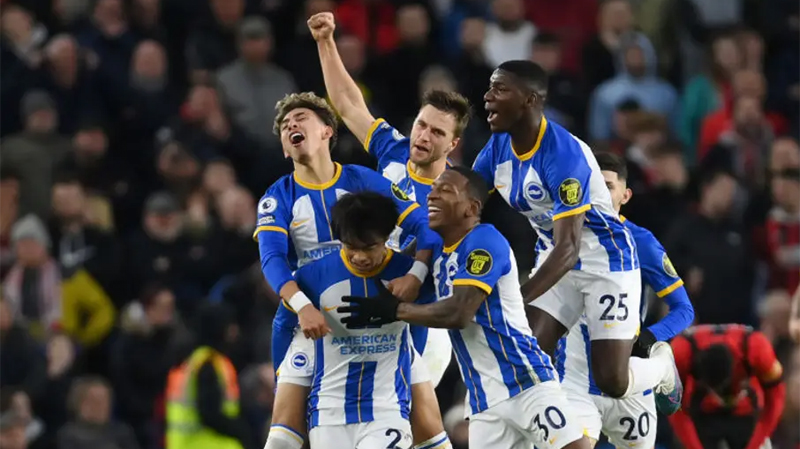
(95, 405)
(749, 83)
(413, 24)
(109, 12)
(432, 135)
(236, 208)
(90, 144)
(69, 202)
(508, 12)
(62, 53)
(17, 24)
(351, 50)
(727, 55)
(548, 56)
(164, 227)
(635, 62)
(202, 101)
(616, 16)
(753, 47)
(785, 174)
(227, 12)
(304, 135)
(43, 121)
(718, 195)
(175, 164)
(473, 32)
(149, 68)
(30, 253)
(256, 50)
(748, 115)
(160, 311)
(14, 437)
(218, 177)
(670, 170)
(620, 193)
(318, 6)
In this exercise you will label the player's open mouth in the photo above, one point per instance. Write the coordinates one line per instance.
(491, 117)
(433, 211)
(296, 138)
(422, 149)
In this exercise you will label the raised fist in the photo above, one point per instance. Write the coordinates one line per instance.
(322, 26)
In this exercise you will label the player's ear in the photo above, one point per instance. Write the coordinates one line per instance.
(327, 132)
(626, 196)
(453, 145)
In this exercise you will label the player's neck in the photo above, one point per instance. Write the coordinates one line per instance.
(526, 133)
(316, 172)
(452, 236)
(430, 171)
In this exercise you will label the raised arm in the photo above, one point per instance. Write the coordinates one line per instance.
(342, 89)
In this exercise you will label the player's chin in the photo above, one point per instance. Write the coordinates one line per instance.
(418, 155)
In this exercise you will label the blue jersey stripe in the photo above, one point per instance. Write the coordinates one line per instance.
(472, 380)
(358, 392)
(621, 257)
(419, 335)
(402, 376)
(588, 348)
(513, 370)
(538, 359)
(319, 370)
(561, 358)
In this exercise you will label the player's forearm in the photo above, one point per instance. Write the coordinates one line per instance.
(680, 316)
(442, 314)
(343, 90)
(274, 262)
(562, 259)
(774, 400)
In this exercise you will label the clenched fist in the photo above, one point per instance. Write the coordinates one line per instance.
(322, 26)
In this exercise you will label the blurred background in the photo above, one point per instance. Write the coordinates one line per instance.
(136, 135)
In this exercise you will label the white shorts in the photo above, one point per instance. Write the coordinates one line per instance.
(298, 366)
(610, 300)
(395, 433)
(628, 423)
(437, 355)
(540, 415)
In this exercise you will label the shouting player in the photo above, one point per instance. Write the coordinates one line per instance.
(412, 164)
(513, 395)
(361, 392)
(586, 260)
(294, 228)
(629, 422)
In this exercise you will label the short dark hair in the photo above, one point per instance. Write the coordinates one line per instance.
(307, 100)
(451, 103)
(363, 216)
(529, 72)
(67, 177)
(478, 190)
(629, 105)
(546, 39)
(612, 162)
(714, 365)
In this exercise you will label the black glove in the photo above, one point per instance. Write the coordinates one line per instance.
(641, 347)
(374, 311)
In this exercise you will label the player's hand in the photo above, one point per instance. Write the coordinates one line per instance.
(794, 329)
(312, 323)
(641, 347)
(321, 26)
(405, 288)
(373, 311)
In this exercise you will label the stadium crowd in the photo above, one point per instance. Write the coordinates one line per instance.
(137, 133)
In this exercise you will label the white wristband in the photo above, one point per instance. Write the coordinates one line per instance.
(298, 301)
(419, 270)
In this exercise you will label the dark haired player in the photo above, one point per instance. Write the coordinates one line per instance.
(513, 395)
(629, 422)
(586, 260)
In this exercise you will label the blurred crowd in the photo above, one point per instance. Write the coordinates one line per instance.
(137, 133)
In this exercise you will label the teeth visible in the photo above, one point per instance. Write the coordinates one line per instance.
(433, 209)
(296, 137)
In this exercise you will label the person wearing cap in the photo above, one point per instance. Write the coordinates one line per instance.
(34, 152)
(253, 80)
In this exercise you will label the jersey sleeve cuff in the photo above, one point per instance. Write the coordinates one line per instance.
(473, 283)
(268, 228)
(405, 213)
(372, 129)
(572, 212)
(664, 292)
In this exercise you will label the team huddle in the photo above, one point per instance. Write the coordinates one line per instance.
(386, 275)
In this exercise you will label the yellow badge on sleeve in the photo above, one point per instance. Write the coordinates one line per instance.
(479, 262)
(399, 194)
(666, 264)
(570, 192)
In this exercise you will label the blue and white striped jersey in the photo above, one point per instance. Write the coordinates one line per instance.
(557, 178)
(360, 375)
(573, 354)
(496, 352)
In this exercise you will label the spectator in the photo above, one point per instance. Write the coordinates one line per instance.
(711, 251)
(16, 403)
(783, 222)
(300, 55)
(510, 36)
(573, 23)
(471, 66)
(218, 177)
(253, 82)
(12, 432)
(232, 240)
(92, 426)
(212, 44)
(23, 363)
(564, 99)
(34, 153)
(9, 207)
(636, 81)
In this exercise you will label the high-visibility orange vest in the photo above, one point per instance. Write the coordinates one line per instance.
(184, 428)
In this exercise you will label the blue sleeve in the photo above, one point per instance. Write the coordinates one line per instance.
(413, 218)
(659, 273)
(484, 256)
(273, 238)
(386, 144)
(483, 164)
(282, 333)
(566, 176)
